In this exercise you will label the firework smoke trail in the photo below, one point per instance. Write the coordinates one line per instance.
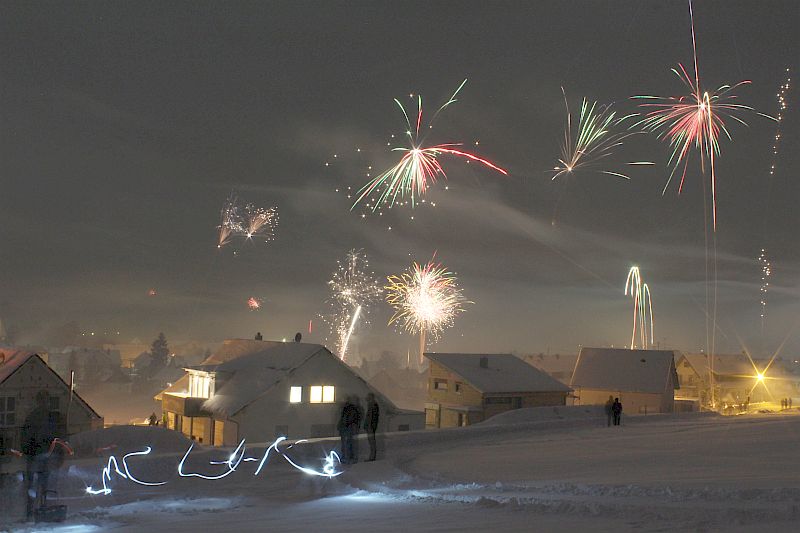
(419, 166)
(594, 139)
(426, 299)
(642, 307)
(259, 221)
(766, 272)
(353, 290)
(695, 120)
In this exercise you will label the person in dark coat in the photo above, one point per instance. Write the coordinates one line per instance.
(39, 431)
(608, 406)
(344, 430)
(371, 425)
(355, 428)
(616, 409)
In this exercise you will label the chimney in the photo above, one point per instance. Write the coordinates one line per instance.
(484, 362)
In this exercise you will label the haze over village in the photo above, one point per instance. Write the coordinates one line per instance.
(399, 266)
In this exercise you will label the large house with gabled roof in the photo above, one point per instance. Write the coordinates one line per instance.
(260, 390)
(464, 389)
(22, 375)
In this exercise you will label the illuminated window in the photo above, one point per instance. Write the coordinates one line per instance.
(316, 394)
(328, 393)
(322, 394)
(201, 385)
(295, 394)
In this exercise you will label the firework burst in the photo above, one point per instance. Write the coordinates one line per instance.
(595, 138)
(426, 299)
(253, 303)
(353, 289)
(260, 222)
(766, 272)
(642, 307)
(693, 121)
(782, 106)
(230, 221)
(419, 167)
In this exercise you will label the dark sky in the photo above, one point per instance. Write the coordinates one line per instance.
(124, 126)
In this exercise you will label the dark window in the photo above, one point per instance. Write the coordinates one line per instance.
(500, 400)
(458, 387)
(440, 384)
(403, 427)
(54, 403)
(8, 415)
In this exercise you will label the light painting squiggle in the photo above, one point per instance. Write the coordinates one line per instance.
(237, 457)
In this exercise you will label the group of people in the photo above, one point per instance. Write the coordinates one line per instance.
(786, 403)
(352, 419)
(613, 410)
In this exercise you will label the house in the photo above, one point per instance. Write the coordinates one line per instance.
(559, 366)
(262, 389)
(644, 380)
(464, 389)
(736, 378)
(22, 375)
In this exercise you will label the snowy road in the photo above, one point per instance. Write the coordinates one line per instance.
(697, 473)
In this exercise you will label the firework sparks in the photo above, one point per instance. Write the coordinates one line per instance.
(766, 272)
(260, 222)
(152, 292)
(419, 167)
(246, 221)
(642, 307)
(594, 139)
(426, 299)
(781, 98)
(695, 120)
(253, 303)
(353, 289)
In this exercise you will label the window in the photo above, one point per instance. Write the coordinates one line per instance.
(497, 400)
(458, 387)
(322, 394)
(54, 403)
(296, 395)
(440, 384)
(328, 393)
(8, 407)
(201, 385)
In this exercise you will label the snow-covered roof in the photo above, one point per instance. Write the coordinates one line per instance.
(619, 369)
(503, 373)
(736, 364)
(254, 367)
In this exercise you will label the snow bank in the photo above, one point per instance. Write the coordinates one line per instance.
(125, 439)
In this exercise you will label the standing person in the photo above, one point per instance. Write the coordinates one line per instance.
(616, 408)
(153, 421)
(609, 412)
(371, 425)
(344, 430)
(355, 426)
(38, 433)
(790, 402)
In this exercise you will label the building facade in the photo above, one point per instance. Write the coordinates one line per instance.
(465, 389)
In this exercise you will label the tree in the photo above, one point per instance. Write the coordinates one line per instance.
(159, 353)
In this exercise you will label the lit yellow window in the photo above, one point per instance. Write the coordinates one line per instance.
(328, 393)
(295, 394)
(316, 394)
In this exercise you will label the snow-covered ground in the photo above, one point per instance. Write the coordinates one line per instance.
(538, 469)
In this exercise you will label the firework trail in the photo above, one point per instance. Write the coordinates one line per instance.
(426, 299)
(766, 272)
(693, 121)
(593, 140)
(245, 221)
(781, 98)
(259, 221)
(419, 166)
(353, 289)
(253, 303)
(642, 307)
(230, 221)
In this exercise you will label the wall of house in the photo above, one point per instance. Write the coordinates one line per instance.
(272, 414)
(25, 383)
(633, 403)
(690, 381)
(463, 394)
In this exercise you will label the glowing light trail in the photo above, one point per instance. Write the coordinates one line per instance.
(642, 307)
(419, 166)
(766, 272)
(236, 458)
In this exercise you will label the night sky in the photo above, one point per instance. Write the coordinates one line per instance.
(125, 125)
